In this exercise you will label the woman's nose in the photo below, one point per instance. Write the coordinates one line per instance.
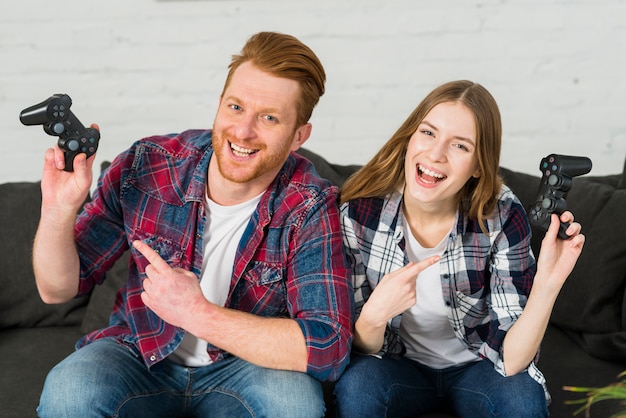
(437, 150)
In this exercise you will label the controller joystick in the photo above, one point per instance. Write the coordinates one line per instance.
(58, 120)
(556, 181)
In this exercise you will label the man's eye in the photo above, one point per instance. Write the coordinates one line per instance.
(270, 118)
(235, 107)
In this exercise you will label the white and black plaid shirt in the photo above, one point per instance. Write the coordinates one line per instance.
(485, 279)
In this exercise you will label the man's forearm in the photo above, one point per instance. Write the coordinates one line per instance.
(276, 343)
(55, 259)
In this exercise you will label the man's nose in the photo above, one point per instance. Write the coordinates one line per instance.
(246, 127)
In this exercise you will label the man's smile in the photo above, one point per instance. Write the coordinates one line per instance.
(241, 151)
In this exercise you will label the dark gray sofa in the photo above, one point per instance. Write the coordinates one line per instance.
(585, 344)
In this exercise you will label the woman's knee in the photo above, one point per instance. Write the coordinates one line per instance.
(364, 375)
(521, 396)
(485, 392)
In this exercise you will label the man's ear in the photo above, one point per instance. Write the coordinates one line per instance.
(301, 135)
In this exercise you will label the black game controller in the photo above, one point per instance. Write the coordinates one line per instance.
(556, 182)
(58, 120)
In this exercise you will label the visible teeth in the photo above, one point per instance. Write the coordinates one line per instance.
(431, 173)
(240, 151)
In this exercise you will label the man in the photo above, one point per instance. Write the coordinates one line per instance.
(238, 299)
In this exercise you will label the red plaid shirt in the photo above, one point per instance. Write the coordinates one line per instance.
(290, 261)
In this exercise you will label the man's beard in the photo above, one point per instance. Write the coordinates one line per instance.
(261, 163)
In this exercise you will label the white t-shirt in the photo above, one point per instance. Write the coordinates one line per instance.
(425, 328)
(222, 233)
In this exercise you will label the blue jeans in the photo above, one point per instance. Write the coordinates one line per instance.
(372, 387)
(109, 379)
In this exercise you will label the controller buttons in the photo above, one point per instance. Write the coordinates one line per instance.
(58, 128)
(546, 203)
(561, 183)
(553, 180)
(58, 111)
(72, 145)
(536, 213)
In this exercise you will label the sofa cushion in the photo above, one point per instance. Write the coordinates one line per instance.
(26, 357)
(20, 304)
(564, 363)
(591, 302)
(336, 173)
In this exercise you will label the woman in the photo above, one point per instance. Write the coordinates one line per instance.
(451, 306)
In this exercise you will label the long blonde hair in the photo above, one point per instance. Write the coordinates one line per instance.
(385, 171)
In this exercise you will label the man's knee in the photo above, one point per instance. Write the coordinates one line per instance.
(83, 382)
(66, 392)
(285, 394)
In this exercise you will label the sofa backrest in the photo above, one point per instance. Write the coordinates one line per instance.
(20, 304)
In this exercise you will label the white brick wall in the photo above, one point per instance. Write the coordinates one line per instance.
(142, 67)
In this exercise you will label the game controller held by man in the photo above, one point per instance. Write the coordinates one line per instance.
(58, 120)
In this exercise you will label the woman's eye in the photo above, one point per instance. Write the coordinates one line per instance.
(461, 147)
(427, 132)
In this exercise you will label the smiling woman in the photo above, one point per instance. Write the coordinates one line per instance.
(386, 171)
(440, 160)
(443, 270)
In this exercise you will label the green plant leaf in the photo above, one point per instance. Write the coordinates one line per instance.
(613, 391)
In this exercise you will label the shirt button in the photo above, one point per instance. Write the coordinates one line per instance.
(153, 358)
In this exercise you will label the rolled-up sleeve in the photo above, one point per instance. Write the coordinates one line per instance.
(319, 289)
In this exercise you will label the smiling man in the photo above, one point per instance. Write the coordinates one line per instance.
(238, 300)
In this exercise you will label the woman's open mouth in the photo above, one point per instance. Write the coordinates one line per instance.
(429, 176)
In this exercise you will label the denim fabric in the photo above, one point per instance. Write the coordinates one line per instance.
(109, 379)
(390, 387)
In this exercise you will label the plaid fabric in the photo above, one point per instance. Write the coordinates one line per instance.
(485, 279)
(290, 261)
